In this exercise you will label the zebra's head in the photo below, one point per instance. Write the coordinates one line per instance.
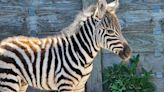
(108, 30)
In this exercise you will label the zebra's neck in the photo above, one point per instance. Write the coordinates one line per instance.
(82, 44)
(86, 38)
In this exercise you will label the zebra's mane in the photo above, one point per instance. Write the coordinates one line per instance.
(76, 24)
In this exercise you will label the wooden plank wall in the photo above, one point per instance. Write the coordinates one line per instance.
(139, 20)
(17, 17)
(12, 17)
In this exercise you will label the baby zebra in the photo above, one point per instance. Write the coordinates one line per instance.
(62, 62)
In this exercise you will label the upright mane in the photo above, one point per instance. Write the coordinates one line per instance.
(76, 24)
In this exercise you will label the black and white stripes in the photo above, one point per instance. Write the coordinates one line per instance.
(62, 62)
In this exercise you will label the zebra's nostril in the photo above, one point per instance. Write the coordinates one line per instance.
(127, 50)
(125, 53)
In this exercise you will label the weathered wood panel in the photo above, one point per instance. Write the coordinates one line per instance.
(50, 15)
(94, 84)
(12, 19)
(138, 19)
(86, 3)
(54, 15)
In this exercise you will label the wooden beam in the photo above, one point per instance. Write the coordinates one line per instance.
(94, 84)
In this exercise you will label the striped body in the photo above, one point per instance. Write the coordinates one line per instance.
(50, 63)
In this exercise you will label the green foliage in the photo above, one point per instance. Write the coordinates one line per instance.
(125, 78)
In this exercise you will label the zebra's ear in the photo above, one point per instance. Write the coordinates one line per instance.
(100, 8)
(113, 6)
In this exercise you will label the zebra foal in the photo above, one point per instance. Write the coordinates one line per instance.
(62, 62)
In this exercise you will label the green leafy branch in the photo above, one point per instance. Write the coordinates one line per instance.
(124, 78)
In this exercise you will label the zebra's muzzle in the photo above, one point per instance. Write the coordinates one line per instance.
(125, 54)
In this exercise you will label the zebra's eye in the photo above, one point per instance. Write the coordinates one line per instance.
(110, 31)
